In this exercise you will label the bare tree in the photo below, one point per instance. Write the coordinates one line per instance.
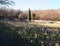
(34, 15)
(6, 2)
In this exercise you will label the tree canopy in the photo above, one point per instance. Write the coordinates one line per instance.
(6, 2)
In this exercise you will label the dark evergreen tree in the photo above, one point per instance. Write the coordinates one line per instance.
(29, 15)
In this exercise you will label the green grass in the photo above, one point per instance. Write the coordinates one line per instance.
(7, 35)
(10, 32)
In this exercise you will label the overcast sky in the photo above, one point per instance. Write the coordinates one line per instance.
(36, 4)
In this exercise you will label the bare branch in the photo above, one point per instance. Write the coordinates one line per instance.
(6, 2)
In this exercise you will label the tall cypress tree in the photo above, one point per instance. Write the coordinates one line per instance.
(29, 15)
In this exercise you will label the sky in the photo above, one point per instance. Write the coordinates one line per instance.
(36, 4)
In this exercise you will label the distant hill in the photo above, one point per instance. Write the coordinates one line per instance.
(47, 14)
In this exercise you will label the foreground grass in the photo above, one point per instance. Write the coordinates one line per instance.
(26, 36)
(8, 36)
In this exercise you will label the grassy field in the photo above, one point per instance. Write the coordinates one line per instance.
(37, 23)
(29, 33)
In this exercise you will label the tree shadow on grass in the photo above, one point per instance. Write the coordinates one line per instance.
(9, 37)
